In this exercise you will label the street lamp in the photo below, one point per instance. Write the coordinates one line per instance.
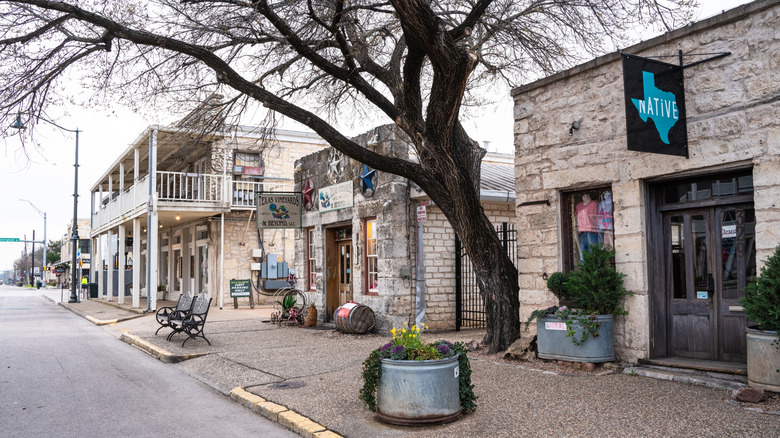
(18, 124)
(42, 213)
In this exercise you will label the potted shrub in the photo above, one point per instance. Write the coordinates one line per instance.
(410, 382)
(594, 292)
(762, 306)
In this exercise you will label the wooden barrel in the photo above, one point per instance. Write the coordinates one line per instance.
(354, 318)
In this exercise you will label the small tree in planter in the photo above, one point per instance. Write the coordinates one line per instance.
(762, 306)
(595, 291)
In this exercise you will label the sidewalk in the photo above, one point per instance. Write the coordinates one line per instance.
(308, 380)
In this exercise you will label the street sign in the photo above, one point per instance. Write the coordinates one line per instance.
(9, 239)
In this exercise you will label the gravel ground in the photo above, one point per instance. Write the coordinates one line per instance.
(321, 375)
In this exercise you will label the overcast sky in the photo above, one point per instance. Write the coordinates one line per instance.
(45, 178)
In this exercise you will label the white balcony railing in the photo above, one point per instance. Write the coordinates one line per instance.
(181, 187)
(244, 191)
(197, 187)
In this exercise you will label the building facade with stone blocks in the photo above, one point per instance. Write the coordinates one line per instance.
(376, 239)
(198, 193)
(690, 230)
(66, 253)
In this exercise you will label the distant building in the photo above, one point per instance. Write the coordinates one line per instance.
(66, 253)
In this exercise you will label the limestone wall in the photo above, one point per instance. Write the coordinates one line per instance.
(732, 108)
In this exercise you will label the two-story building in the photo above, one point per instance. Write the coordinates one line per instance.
(175, 212)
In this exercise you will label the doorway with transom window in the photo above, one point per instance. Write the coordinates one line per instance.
(704, 254)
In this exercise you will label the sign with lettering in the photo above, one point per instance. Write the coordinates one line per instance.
(655, 106)
(728, 231)
(422, 213)
(240, 288)
(335, 197)
(554, 325)
(278, 210)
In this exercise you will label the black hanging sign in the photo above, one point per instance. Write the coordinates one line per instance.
(655, 106)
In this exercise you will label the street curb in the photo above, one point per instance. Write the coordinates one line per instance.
(116, 305)
(89, 318)
(288, 418)
(155, 351)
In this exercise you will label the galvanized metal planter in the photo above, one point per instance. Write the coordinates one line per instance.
(763, 359)
(418, 393)
(552, 342)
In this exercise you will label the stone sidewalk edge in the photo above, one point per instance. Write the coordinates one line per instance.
(155, 351)
(288, 418)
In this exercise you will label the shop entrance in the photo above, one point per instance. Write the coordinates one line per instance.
(708, 257)
(339, 261)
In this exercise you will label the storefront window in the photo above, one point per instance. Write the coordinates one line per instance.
(372, 265)
(311, 257)
(590, 221)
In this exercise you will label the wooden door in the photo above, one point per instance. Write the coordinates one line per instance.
(735, 267)
(710, 258)
(345, 271)
(690, 284)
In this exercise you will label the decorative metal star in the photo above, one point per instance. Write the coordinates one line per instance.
(367, 179)
(307, 191)
(335, 165)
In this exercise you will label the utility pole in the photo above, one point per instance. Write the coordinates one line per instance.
(32, 263)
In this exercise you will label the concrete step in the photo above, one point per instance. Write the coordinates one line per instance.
(709, 379)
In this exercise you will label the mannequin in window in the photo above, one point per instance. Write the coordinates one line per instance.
(587, 223)
(605, 224)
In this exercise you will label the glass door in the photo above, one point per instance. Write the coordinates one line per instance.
(691, 284)
(711, 257)
(345, 271)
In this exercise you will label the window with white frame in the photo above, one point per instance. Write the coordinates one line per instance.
(372, 261)
(311, 266)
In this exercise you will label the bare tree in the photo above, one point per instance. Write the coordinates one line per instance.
(413, 62)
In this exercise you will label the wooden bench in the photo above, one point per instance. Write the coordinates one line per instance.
(170, 316)
(195, 320)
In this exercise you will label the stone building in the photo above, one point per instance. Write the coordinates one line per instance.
(82, 252)
(376, 238)
(197, 192)
(689, 231)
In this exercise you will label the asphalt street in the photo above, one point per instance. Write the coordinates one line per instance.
(61, 376)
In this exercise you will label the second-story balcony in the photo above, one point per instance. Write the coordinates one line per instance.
(206, 194)
(175, 192)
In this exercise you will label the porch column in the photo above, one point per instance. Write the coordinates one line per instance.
(136, 262)
(121, 263)
(110, 258)
(186, 270)
(136, 162)
(121, 177)
(152, 246)
(97, 265)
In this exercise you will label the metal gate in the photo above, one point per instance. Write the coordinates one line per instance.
(469, 306)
